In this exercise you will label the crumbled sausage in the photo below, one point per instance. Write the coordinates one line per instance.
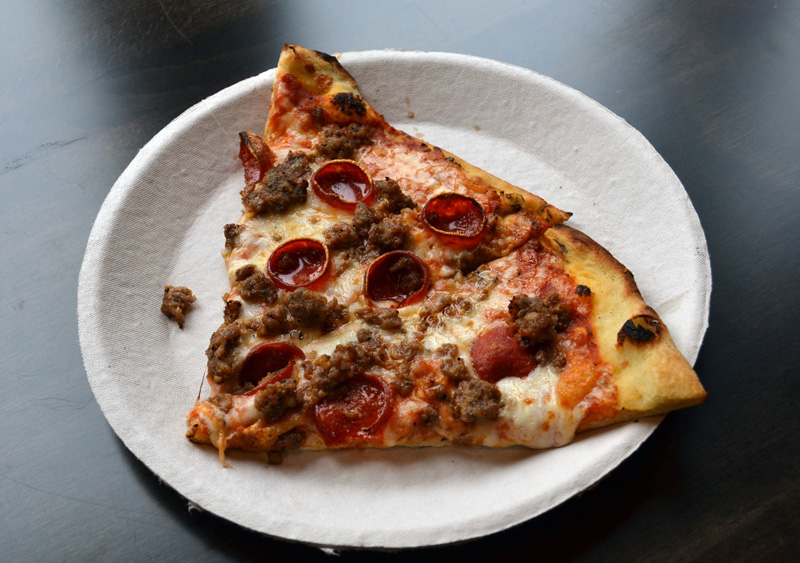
(537, 321)
(341, 235)
(277, 398)
(475, 399)
(391, 197)
(310, 309)
(254, 286)
(223, 402)
(429, 415)
(387, 319)
(403, 382)
(232, 309)
(327, 373)
(342, 142)
(175, 302)
(410, 277)
(274, 321)
(364, 218)
(390, 233)
(452, 365)
(220, 349)
(282, 187)
(231, 233)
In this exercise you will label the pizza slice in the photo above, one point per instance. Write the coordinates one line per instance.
(386, 293)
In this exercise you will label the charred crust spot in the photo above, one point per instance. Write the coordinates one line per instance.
(349, 104)
(309, 68)
(639, 330)
(583, 291)
(328, 58)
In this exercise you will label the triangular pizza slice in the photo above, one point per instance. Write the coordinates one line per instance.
(386, 293)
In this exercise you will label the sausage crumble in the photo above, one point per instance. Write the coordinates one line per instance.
(175, 302)
(282, 187)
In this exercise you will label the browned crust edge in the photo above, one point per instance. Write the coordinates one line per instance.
(652, 377)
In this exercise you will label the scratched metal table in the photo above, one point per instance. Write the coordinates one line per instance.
(714, 87)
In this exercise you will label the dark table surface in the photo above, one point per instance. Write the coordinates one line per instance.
(715, 87)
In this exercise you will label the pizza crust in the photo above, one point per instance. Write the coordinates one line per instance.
(650, 377)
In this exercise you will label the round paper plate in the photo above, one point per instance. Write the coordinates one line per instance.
(162, 224)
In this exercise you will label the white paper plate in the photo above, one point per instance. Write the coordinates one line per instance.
(162, 224)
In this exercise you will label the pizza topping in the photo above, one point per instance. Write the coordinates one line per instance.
(537, 321)
(451, 365)
(639, 329)
(272, 360)
(391, 197)
(391, 233)
(398, 277)
(276, 398)
(309, 309)
(342, 184)
(364, 219)
(298, 263)
(255, 155)
(175, 302)
(231, 234)
(232, 310)
(497, 354)
(458, 219)
(387, 319)
(219, 351)
(342, 142)
(475, 400)
(282, 187)
(359, 412)
(254, 286)
(341, 235)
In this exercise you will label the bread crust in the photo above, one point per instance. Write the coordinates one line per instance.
(651, 377)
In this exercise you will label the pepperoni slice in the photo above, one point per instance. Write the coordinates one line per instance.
(458, 219)
(298, 263)
(360, 413)
(497, 354)
(255, 155)
(398, 276)
(271, 360)
(342, 184)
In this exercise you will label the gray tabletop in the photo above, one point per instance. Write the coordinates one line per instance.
(715, 87)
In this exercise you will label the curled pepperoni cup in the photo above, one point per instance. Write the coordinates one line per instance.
(398, 277)
(298, 263)
(358, 414)
(269, 362)
(342, 184)
(255, 155)
(497, 354)
(459, 219)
